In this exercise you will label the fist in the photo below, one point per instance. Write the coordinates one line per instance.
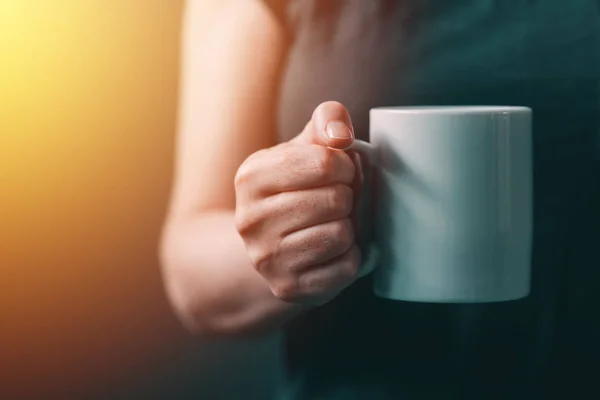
(295, 210)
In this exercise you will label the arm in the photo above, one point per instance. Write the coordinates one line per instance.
(232, 54)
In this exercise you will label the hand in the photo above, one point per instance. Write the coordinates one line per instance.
(294, 210)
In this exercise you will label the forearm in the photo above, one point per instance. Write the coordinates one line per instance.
(210, 282)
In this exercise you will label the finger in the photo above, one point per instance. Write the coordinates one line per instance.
(288, 212)
(290, 168)
(303, 249)
(357, 186)
(329, 126)
(323, 283)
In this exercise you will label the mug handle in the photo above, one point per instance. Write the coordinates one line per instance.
(368, 150)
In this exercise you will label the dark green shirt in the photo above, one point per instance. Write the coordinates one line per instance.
(544, 54)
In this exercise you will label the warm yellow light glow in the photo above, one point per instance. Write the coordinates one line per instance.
(87, 114)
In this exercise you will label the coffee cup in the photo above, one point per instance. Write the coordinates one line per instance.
(452, 203)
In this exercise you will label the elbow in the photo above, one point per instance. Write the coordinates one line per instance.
(185, 301)
(201, 317)
(190, 306)
(178, 291)
(221, 327)
(194, 322)
(203, 309)
(205, 315)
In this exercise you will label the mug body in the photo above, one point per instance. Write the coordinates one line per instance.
(453, 198)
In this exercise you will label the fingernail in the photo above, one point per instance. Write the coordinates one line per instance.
(338, 130)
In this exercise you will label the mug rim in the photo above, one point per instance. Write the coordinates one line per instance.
(449, 109)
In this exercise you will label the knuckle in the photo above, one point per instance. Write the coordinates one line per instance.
(243, 174)
(241, 222)
(338, 240)
(318, 286)
(348, 163)
(351, 265)
(244, 224)
(341, 198)
(343, 233)
(350, 166)
(250, 168)
(260, 258)
(286, 291)
(325, 162)
(352, 270)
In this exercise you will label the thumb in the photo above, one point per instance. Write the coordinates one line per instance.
(329, 126)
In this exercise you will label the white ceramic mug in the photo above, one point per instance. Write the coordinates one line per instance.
(453, 202)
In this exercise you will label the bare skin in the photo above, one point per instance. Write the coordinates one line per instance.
(257, 231)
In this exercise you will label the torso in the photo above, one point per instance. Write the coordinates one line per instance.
(542, 54)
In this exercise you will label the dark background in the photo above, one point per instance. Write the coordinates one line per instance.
(88, 93)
